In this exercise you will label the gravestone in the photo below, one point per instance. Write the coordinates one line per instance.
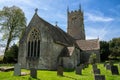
(105, 64)
(33, 72)
(96, 71)
(108, 67)
(60, 71)
(111, 63)
(79, 70)
(17, 70)
(94, 66)
(99, 77)
(114, 70)
(82, 66)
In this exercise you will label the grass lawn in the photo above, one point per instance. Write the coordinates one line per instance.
(52, 75)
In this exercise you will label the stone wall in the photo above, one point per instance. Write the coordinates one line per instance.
(45, 49)
(54, 56)
(22, 55)
(72, 61)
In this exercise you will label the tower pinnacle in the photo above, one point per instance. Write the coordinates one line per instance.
(79, 7)
(67, 8)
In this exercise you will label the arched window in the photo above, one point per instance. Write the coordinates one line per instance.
(33, 44)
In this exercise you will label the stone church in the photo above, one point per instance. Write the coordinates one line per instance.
(45, 46)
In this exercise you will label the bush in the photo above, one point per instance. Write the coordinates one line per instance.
(11, 55)
(92, 59)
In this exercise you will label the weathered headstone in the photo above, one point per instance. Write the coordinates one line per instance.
(60, 71)
(82, 66)
(111, 63)
(114, 70)
(94, 66)
(17, 70)
(108, 67)
(96, 71)
(79, 70)
(33, 72)
(99, 77)
(105, 64)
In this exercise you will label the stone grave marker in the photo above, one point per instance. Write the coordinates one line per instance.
(105, 64)
(79, 70)
(108, 67)
(99, 77)
(111, 63)
(60, 71)
(94, 66)
(17, 70)
(82, 66)
(96, 71)
(114, 70)
(33, 72)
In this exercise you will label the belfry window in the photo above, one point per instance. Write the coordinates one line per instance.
(33, 44)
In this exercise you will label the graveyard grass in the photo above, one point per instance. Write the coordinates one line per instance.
(52, 75)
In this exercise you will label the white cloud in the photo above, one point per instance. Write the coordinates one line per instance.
(97, 18)
(93, 33)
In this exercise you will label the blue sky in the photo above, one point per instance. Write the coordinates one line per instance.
(101, 17)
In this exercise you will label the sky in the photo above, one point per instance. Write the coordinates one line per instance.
(101, 17)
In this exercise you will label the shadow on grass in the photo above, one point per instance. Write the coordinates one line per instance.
(30, 78)
(70, 77)
(68, 70)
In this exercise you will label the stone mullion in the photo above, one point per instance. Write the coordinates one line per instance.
(30, 49)
(36, 47)
(33, 49)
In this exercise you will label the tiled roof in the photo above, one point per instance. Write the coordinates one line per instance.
(92, 44)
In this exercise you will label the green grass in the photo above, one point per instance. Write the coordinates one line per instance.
(52, 75)
(6, 65)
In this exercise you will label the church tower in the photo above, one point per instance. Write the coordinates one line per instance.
(75, 26)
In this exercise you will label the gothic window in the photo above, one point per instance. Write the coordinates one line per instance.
(33, 45)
